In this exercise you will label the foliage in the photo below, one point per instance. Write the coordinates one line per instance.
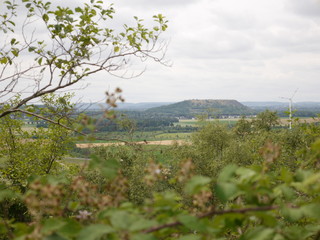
(133, 121)
(243, 127)
(39, 151)
(266, 120)
(210, 143)
(224, 185)
(252, 202)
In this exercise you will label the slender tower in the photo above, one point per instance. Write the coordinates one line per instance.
(290, 108)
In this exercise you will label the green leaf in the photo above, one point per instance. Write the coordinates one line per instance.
(259, 233)
(73, 205)
(288, 193)
(267, 218)
(227, 173)
(301, 175)
(167, 201)
(143, 237)
(94, 232)
(300, 232)
(122, 219)
(31, 49)
(246, 174)
(15, 52)
(52, 224)
(278, 236)
(3, 60)
(13, 40)
(311, 210)
(6, 193)
(226, 191)
(55, 236)
(190, 237)
(45, 17)
(70, 229)
(116, 49)
(292, 214)
(193, 223)
(196, 183)
(286, 175)
(141, 224)
(107, 167)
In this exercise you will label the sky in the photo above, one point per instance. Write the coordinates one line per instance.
(246, 50)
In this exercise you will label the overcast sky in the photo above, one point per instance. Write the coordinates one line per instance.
(248, 50)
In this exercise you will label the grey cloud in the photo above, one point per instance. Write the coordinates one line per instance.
(293, 40)
(239, 21)
(215, 44)
(305, 7)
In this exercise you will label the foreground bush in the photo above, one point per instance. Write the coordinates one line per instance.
(252, 202)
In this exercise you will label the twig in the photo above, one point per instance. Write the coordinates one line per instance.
(210, 214)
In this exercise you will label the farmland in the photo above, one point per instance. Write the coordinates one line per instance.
(169, 133)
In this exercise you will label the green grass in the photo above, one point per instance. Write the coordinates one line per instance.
(195, 123)
(137, 136)
(158, 153)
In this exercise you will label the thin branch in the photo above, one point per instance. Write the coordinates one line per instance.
(48, 120)
(213, 213)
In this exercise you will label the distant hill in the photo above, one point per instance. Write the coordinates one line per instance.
(282, 105)
(191, 108)
(141, 106)
(122, 106)
(265, 104)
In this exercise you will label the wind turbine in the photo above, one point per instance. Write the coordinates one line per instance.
(290, 107)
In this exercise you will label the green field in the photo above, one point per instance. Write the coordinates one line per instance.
(137, 136)
(195, 123)
(173, 136)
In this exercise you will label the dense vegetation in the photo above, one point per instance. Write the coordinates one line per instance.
(126, 121)
(252, 181)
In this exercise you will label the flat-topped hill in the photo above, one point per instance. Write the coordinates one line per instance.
(195, 107)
